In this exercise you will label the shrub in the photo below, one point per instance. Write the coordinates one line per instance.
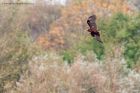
(14, 56)
(123, 30)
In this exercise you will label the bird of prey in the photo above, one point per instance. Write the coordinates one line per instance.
(93, 28)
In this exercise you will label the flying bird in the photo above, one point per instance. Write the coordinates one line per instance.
(93, 28)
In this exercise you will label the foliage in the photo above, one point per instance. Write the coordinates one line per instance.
(123, 29)
(61, 33)
(80, 77)
(14, 55)
(98, 49)
(91, 44)
(68, 56)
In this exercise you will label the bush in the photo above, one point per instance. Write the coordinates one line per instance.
(14, 56)
(68, 56)
(123, 30)
(51, 75)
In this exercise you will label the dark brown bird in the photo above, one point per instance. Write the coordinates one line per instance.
(93, 28)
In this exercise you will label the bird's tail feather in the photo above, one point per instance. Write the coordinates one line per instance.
(98, 38)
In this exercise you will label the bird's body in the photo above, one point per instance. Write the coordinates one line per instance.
(93, 27)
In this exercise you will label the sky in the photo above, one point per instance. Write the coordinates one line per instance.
(31, 1)
(57, 1)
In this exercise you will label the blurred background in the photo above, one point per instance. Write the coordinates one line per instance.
(45, 46)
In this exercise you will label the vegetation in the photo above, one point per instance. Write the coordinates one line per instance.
(46, 48)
